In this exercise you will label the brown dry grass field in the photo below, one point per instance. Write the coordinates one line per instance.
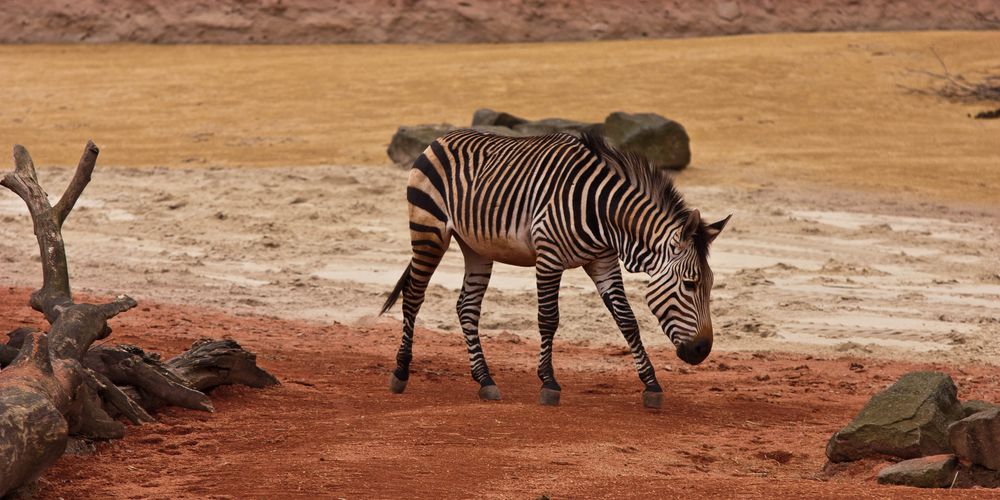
(822, 108)
(865, 245)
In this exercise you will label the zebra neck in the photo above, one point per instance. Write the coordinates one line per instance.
(640, 231)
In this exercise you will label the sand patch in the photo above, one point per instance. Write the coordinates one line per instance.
(780, 284)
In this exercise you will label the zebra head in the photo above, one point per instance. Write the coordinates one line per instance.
(679, 291)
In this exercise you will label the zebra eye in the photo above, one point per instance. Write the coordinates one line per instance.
(689, 285)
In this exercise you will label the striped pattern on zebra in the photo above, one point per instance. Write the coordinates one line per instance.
(556, 202)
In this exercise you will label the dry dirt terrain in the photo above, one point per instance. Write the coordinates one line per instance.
(252, 182)
(741, 425)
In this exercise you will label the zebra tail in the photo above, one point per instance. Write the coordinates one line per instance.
(403, 282)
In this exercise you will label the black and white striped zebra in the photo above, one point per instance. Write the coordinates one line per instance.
(556, 202)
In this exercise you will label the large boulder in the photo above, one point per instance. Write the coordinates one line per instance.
(663, 141)
(486, 116)
(498, 122)
(410, 141)
(908, 420)
(498, 130)
(555, 125)
(937, 471)
(977, 438)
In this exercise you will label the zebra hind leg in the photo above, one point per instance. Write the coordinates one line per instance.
(477, 279)
(427, 254)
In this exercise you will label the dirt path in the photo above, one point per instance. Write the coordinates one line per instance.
(751, 424)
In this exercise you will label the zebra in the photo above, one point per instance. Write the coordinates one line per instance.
(556, 202)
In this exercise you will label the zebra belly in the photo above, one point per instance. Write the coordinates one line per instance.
(506, 248)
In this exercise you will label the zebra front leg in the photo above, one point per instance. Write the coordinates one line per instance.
(547, 281)
(477, 279)
(607, 275)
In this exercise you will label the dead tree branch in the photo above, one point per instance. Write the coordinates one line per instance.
(39, 390)
(956, 87)
(57, 385)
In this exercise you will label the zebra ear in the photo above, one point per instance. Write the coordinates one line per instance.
(691, 225)
(712, 230)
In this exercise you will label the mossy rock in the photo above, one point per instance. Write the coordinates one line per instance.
(977, 438)
(488, 117)
(410, 141)
(664, 142)
(936, 471)
(907, 420)
(973, 406)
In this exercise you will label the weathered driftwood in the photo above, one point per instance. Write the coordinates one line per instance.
(211, 363)
(57, 385)
(33, 431)
(182, 380)
(156, 385)
(40, 389)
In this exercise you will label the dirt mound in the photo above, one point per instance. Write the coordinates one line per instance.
(749, 423)
(361, 21)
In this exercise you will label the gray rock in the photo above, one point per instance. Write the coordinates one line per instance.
(974, 406)
(976, 476)
(977, 438)
(488, 120)
(486, 116)
(409, 141)
(937, 471)
(498, 130)
(556, 125)
(663, 141)
(7, 354)
(908, 420)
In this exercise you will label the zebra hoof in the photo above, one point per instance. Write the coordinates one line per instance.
(489, 393)
(652, 399)
(549, 397)
(396, 386)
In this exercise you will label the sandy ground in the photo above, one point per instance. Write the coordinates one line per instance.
(797, 270)
(865, 231)
(741, 425)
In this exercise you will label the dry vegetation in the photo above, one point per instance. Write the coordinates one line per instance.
(822, 108)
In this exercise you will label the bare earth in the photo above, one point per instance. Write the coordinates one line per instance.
(826, 271)
(740, 425)
(865, 231)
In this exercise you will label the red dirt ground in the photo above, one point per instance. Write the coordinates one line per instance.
(741, 425)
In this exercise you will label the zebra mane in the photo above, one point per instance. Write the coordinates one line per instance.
(652, 181)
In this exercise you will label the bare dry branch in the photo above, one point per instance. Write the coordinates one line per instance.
(76, 186)
(957, 87)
